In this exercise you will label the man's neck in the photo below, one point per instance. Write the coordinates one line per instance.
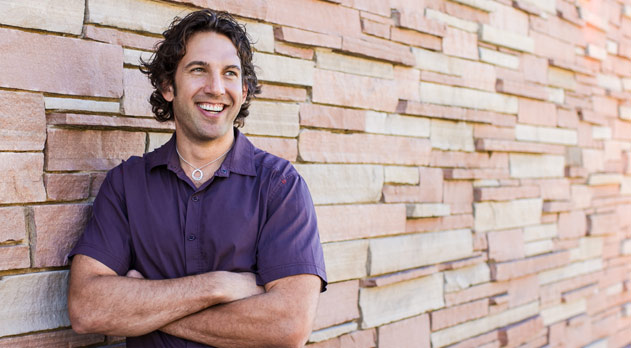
(198, 153)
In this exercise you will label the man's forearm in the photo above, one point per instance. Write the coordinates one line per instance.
(123, 306)
(282, 317)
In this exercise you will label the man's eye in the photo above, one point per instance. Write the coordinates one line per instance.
(197, 70)
(231, 73)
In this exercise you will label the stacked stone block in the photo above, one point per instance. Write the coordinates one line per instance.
(470, 160)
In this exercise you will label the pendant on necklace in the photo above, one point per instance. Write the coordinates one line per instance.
(199, 176)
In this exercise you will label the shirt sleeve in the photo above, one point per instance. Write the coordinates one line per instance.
(106, 237)
(289, 242)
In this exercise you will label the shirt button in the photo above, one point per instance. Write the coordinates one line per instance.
(223, 171)
(191, 237)
(195, 198)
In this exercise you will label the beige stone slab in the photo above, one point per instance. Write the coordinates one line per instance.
(545, 5)
(610, 82)
(63, 16)
(134, 57)
(421, 210)
(570, 271)
(401, 175)
(503, 215)
(380, 305)
(484, 5)
(498, 58)
(262, 35)
(71, 104)
(604, 179)
(157, 139)
(596, 52)
(588, 248)
(624, 112)
(550, 135)
(343, 183)
(334, 331)
(345, 260)
(561, 78)
(454, 136)
(394, 124)
(271, 118)
(538, 247)
(563, 311)
(415, 250)
(33, 302)
(433, 61)
(464, 278)
(476, 327)
(625, 247)
(21, 177)
(455, 22)
(601, 133)
(326, 59)
(156, 16)
(556, 95)
(539, 232)
(468, 98)
(506, 39)
(536, 166)
(293, 71)
(22, 121)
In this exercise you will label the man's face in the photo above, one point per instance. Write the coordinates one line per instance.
(208, 89)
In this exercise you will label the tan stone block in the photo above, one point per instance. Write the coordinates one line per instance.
(389, 303)
(273, 68)
(37, 302)
(588, 248)
(624, 112)
(270, 118)
(433, 61)
(14, 257)
(137, 90)
(262, 35)
(506, 245)
(345, 260)
(344, 222)
(135, 57)
(452, 21)
(13, 227)
(468, 98)
(156, 17)
(539, 232)
(57, 229)
(536, 166)
(596, 52)
(119, 37)
(394, 124)
(281, 147)
(538, 247)
(506, 39)
(546, 135)
(330, 87)
(337, 305)
(65, 16)
(407, 333)
(537, 112)
(563, 311)
(401, 175)
(625, 247)
(67, 187)
(561, 78)
(362, 338)
(505, 193)
(463, 278)
(21, 177)
(91, 149)
(335, 183)
(332, 332)
(503, 215)
(308, 15)
(454, 315)
(283, 93)
(455, 136)
(325, 59)
(476, 327)
(319, 146)
(61, 338)
(332, 117)
(71, 104)
(27, 57)
(459, 196)
(157, 139)
(499, 58)
(604, 179)
(483, 5)
(570, 271)
(414, 250)
(422, 210)
(460, 43)
(22, 121)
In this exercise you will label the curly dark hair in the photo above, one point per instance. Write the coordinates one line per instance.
(162, 66)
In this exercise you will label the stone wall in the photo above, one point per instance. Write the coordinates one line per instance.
(470, 159)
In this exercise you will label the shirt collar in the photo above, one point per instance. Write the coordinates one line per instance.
(239, 160)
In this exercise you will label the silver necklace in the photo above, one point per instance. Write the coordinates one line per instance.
(198, 171)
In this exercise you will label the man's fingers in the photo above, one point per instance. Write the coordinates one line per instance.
(134, 274)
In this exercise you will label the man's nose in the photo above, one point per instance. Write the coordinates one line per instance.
(214, 85)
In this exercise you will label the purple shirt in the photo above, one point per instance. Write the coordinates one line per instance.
(254, 215)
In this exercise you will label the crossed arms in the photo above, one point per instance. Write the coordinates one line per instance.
(222, 309)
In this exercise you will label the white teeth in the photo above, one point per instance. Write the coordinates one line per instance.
(212, 107)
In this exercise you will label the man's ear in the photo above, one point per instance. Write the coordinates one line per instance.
(167, 92)
(245, 91)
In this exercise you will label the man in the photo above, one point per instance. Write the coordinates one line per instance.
(207, 241)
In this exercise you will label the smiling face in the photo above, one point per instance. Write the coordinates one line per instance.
(208, 91)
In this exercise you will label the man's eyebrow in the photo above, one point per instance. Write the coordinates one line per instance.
(205, 64)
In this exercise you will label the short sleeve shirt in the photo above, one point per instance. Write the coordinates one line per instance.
(254, 215)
